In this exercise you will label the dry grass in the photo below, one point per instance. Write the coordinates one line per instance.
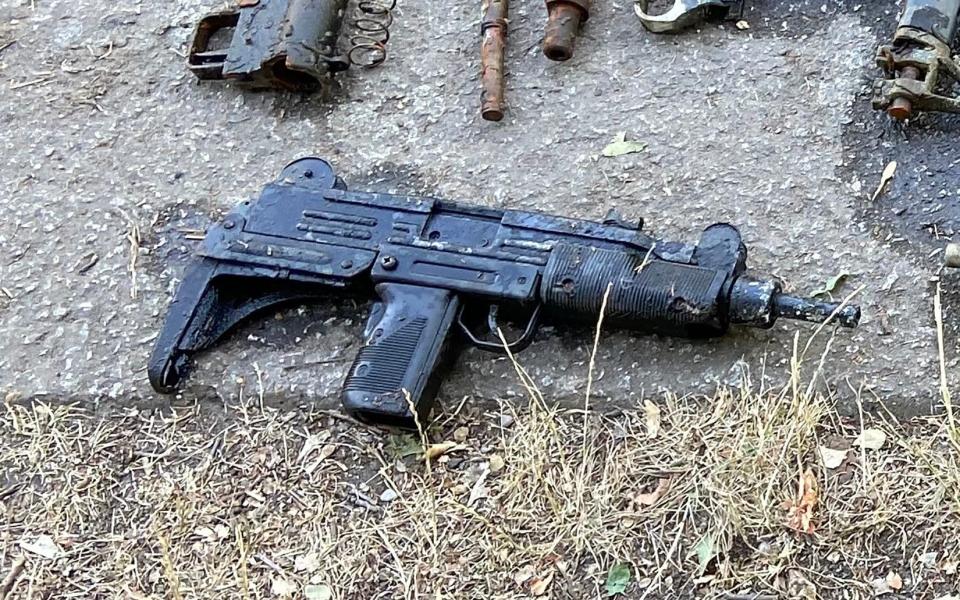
(694, 494)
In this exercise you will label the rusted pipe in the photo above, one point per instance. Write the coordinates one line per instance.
(494, 31)
(902, 108)
(563, 24)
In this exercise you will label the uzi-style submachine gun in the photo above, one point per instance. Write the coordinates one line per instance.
(441, 270)
(919, 69)
(289, 44)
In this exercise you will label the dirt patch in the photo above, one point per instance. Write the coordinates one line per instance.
(741, 495)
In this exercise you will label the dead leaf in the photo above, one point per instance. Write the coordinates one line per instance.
(320, 591)
(832, 458)
(437, 450)
(279, 586)
(650, 498)
(880, 586)
(43, 546)
(888, 172)
(928, 559)
(538, 585)
(479, 490)
(206, 533)
(871, 438)
(309, 562)
(652, 412)
(800, 511)
(620, 146)
(497, 463)
(894, 581)
(523, 575)
(950, 567)
(831, 284)
(706, 551)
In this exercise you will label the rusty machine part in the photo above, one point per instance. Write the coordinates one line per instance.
(919, 66)
(288, 44)
(493, 30)
(563, 22)
(685, 13)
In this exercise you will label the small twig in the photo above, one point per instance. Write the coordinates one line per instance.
(24, 84)
(944, 388)
(11, 579)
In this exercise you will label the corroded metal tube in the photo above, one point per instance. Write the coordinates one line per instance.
(494, 32)
(902, 108)
(563, 23)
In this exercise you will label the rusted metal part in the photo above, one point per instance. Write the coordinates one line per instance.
(918, 66)
(902, 107)
(685, 13)
(493, 30)
(286, 44)
(563, 23)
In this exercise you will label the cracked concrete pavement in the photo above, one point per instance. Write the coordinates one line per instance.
(115, 157)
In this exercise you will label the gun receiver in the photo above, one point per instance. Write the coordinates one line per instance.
(919, 63)
(285, 44)
(439, 269)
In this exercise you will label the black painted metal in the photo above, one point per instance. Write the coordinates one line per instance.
(432, 263)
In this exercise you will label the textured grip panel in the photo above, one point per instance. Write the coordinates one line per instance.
(661, 296)
(391, 356)
(407, 343)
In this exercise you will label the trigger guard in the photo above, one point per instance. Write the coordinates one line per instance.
(517, 345)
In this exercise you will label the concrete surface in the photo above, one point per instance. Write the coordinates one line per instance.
(113, 151)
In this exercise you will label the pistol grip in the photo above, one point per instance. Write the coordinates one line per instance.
(409, 342)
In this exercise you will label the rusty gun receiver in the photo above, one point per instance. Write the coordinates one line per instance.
(440, 272)
(292, 45)
(685, 13)
(918, 66)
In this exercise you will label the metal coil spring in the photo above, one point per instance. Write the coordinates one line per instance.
(371, 20)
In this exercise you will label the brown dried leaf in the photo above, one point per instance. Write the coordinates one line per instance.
(650, 498)
(327, 451)
(538, 585)
(437, 450)
(800, 511)
(894, 581)
(888, 172)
